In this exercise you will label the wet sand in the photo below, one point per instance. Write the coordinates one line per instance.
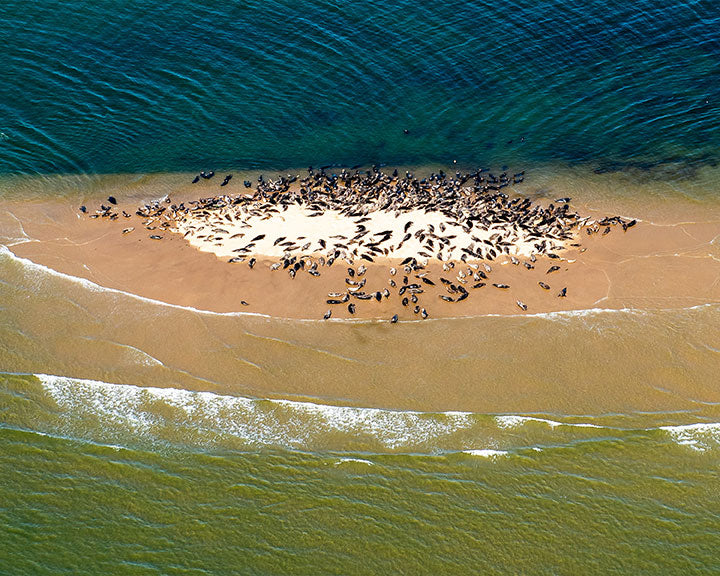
(651, 265)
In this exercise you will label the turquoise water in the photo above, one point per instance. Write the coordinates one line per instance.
(110, 464)
(174, 86)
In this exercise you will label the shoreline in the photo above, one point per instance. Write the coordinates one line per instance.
(354, 320)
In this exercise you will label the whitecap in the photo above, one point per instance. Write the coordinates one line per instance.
(514, 421)
(356, 460)
(256, 421)
(700, 437)
(487, 453)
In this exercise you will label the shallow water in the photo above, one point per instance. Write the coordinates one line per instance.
(140, 437)
(591, 437)
(575, 362)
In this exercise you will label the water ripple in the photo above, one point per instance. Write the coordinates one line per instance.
(148, 87)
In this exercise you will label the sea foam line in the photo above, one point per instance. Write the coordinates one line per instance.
(301, 424)
(257, 421)
(355, 460)
(513, 421)
(700, 437)
(487, 453)
(271, 421)
(93, 287)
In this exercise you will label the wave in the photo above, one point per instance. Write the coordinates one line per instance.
(701, 436)
(354, 460)
(513, 421)
(557, 315)
(256, 422)
(93, 287)
(486, 453)
(118, 414)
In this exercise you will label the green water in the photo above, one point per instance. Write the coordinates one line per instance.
(564, 498)
(85, 509)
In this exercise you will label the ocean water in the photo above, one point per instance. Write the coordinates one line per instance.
(138, 437)
(178, 86)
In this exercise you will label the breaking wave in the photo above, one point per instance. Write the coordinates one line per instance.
(122, 414)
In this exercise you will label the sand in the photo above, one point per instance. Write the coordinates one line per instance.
(651, 265)
(562, 355)
(301, 223)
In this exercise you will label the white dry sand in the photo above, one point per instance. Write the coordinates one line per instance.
(215, 233)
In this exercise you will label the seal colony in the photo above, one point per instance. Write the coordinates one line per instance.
(414, 241)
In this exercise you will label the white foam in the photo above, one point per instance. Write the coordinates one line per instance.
(139, 356)
(514, 421)
(487, 453)
(356, 460)
(62, 437)
(206, 417)
(700, 437)
(23, 239)
(255, 421)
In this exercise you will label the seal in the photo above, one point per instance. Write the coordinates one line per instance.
(473, 221)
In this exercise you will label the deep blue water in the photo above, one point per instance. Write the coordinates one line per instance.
(135, 86)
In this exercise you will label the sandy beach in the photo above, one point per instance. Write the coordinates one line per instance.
(201, 259)
(359, 288)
